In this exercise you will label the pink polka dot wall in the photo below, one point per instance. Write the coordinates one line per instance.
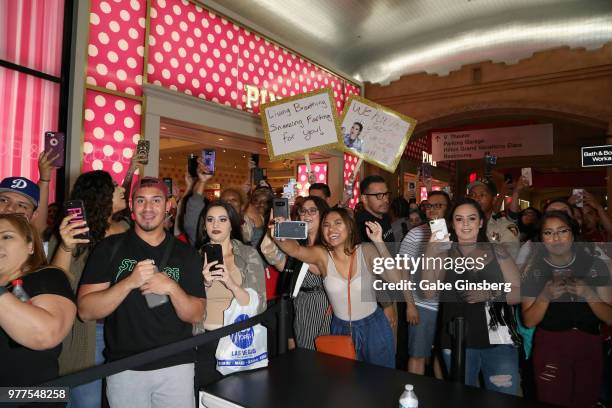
(190, 50)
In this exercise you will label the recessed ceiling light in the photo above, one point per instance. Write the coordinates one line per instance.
(223, 150)
(264, 148)
(220, 139)
(164, 128)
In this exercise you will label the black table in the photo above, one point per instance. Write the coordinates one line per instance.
(304, 378)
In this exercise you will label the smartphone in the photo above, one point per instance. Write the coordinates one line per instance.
(168, 183)
(214, 252)
(280, 207)
(291, 230)
(153, 299)
(579, 193)
(142, 148)
(438, 228)
(507, 178)
(411, 186)
(526, 172)
(192, 165)
(208, 157)
(77, 208)
(54, 144)
(259, 175)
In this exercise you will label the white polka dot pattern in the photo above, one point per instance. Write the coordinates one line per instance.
(349, 165)
(320, 172)
(111, 132)
(201, 54)
(115, 45)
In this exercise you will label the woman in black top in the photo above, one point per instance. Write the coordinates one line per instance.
(566, 295)
(490, 326)
(33, 326)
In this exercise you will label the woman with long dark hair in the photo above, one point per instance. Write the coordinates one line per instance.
(33, 323)
(566, 296)
(343, 262)
(311, 317)
(102, 198)
(242, 269)
(491, 340)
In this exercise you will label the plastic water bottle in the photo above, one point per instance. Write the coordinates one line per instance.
(19, 291)
(408, 399)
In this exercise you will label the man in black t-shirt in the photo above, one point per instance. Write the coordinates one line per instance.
(375, 199)
(119, 276)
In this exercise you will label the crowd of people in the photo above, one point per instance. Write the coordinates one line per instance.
(93, 293)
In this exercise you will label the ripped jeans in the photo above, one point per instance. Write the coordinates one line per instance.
(499, 366)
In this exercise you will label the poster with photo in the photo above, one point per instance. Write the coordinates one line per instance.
(374, 133)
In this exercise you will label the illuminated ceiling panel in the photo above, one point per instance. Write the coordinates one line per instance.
(380, 40)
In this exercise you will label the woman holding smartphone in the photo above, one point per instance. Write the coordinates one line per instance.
(102, 198)
(567, 295)
(311, 305)
(343, 262)
(491, 341)
(242, 268)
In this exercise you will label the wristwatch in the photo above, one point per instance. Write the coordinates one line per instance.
(3, 290)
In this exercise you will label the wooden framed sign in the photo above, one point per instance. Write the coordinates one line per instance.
(301, 124)
(374, 133)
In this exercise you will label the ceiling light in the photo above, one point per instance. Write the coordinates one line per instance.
(220, 139)
(164, 128)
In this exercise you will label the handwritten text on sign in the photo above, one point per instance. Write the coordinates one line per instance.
(300, 124)
(375, 133)
(530, 140)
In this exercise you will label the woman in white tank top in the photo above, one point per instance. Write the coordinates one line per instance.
(364, 320)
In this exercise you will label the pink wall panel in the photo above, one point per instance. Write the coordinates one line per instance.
(193, 51)
(320, 172)
(112, 129)
(349, 166)
(31, 33)
(116, 45)
(29, 108)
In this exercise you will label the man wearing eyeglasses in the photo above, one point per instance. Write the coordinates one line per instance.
(375, 197)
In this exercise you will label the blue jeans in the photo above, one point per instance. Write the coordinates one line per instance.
(372, 337)
(499, 365)
(90, 395)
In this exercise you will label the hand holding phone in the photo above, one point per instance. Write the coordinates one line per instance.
(77, 209)
(208, 157)
(579, 194)
(142, 150)
(54, 145)
(291, 230)
(192, 165)
(280, 207)
(526, 173)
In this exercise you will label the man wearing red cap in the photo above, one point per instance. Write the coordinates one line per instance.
(143, 308)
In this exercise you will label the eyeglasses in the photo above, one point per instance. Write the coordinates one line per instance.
(562, 233)
(379, 196)
(434, 206)
(310, 211)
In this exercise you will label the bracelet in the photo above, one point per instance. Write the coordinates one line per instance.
(65, 248)
(44, 180)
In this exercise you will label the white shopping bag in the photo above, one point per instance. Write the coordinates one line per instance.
(246, 349)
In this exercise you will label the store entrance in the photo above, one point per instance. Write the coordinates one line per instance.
(178, 140)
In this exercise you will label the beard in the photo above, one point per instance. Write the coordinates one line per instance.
(149, 226)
